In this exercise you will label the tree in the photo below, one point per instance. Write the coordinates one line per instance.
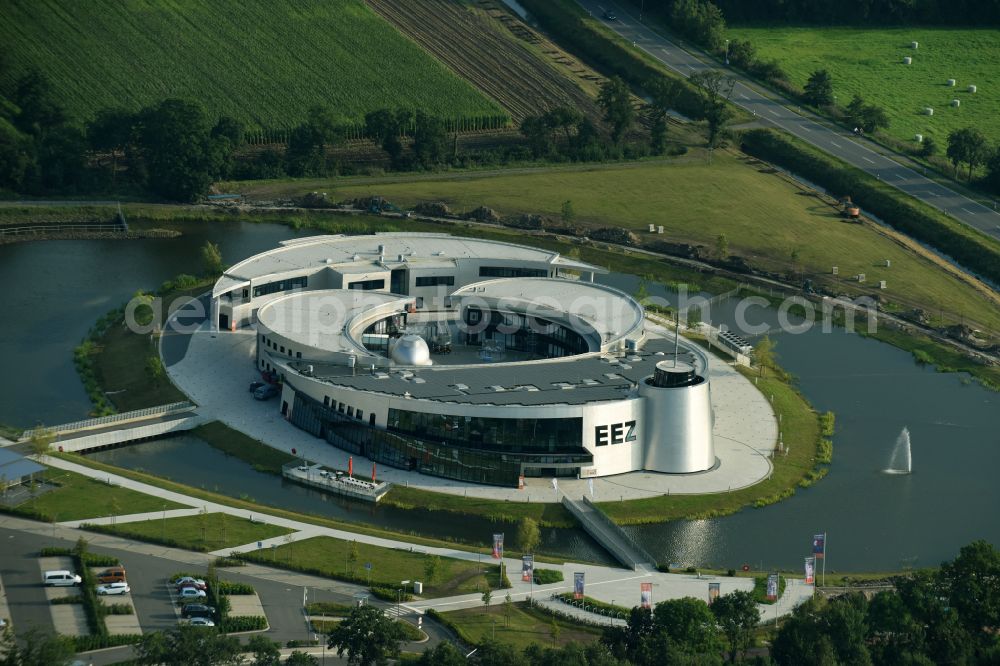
(180, 156)
(714, 89)
(61, 157)
(563, 118)
(367, 637)
(663, 93)
(567, 212)
(265, 651)
(431, 568)
(819, 88)
(442, 654)
(41, 441)
(800, 642)
(38, 108)
(188, 646)
(487, 597)
(742, 53)
(299, 658)
(508, 606)
(738, 616)
(967, 145)
(763, 353)
(615, 99)
(554, 630)
(110, 132)
(386, 127)
(430, 140)
(928, 147)
(539, 136)
(972, 581)
(866, 116)
(528, 535)
(36, 648)
(688, 624)
(721, 247)
(211, 258)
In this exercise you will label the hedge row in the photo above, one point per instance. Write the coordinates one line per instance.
(148, 538)
(967, 246)
(92, 559)
(87, 643)
(567, 22)
(239, 623)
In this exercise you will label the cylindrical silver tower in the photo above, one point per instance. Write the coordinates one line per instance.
(678, 420)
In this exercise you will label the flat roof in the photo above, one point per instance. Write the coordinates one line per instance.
(344, 252)
(574, 380)
(320, 319)
(611, 313)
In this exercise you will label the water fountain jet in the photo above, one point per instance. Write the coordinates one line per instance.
(901, 459)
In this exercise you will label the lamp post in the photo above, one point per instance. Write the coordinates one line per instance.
(727, 52)
(164, 522)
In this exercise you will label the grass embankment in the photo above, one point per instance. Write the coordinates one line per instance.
(204, 532)
(547, 515)
(262, 457)
(805, 235)
(526, 626)
(943, 358)
(211, 50)
(801, 432)
(869, 62)
(329, 557)
(79, 497)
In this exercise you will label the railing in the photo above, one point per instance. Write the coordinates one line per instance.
(616, 529)
(90, 424)
(48, 228)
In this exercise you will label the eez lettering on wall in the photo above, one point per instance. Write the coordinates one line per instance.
(615, 433)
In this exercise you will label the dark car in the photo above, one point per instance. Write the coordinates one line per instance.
(197, 610)
(266, 392)
(610, 15)
(255, 385)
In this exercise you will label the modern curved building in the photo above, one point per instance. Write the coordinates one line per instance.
(468, 359)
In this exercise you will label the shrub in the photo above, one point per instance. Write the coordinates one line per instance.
(87, 643)
(230, 588)
(389, 594)
(229, 562)
(327, 608)
(59, 601)
(825, 452)
(118, 609)
(731, 572)
(548, 576)
(230, 625)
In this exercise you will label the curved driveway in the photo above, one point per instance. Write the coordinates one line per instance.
(802, 124)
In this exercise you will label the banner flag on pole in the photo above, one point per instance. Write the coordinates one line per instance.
(819, 546)
(527, 567)
(578, 585)
(772, 587)
(498, 546)
(646, 595)
(713, 592)
(590, 486)
(350, 466)
(373, 472)
(810, 571)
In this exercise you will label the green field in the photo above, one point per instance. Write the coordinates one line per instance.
(80, 497)
(262, 62)
(203, 532)
(763, 215)
(869, 62)
(527, 626)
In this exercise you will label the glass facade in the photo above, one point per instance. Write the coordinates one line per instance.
(522, 333)
(507, 435)
(508, 272)
(367, 285)
(435, 281)
(280, 285)
(450, 457)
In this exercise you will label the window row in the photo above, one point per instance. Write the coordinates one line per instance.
(281, 285)
(509, 272)
(367, 285)
(435, 281)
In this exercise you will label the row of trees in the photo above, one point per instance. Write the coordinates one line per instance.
(970, 147)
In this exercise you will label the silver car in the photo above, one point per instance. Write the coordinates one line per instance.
(114, 588)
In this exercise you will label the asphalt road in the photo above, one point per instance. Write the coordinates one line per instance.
(806, 126)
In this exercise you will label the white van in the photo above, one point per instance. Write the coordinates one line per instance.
(60, 578)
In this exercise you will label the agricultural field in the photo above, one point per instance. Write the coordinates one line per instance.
(869, 62)
(492, 49)
(262, 62)
(775, 224)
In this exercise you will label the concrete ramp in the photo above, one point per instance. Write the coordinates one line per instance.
(612, 537)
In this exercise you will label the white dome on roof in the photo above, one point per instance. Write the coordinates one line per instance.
(411, 350)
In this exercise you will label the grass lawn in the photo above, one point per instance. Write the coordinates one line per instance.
(527, 626)
(80, 497)
(204, 532)
(869, 62)
(800, 427)
(771, 222)
(262, 457)
(330, 557)
(547, 515)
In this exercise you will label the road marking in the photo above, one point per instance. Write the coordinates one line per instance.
(806, 127)
(773, 112)
(868, 160)
(744, 96)
(835, 143)
(665, 51)
(970, 212)
(900, 176)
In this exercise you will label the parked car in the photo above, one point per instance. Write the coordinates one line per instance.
(190, 593)
(610, 15)
(197, 610)
(60, 578)
(201, 622)
(266, 392)
(112, 575)
(188, 581)
(255, 385)
(114, 588)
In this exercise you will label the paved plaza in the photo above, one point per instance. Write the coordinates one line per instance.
(215, 372)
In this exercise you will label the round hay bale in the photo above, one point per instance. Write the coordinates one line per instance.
(971, 89)
(929, 111)
(907, 60)
(914, 45)
(951, 83)
(919, 138)
(956, 102)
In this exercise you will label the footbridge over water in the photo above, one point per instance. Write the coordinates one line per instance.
(120, 428)
(612, 537)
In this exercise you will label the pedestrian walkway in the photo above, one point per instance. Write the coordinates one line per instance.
(608, 584)
(610, 536)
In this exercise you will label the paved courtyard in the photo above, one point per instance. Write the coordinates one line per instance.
(217, 368)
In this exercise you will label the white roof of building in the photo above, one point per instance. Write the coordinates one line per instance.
(609, 312)
(351, 254)
(322, 319)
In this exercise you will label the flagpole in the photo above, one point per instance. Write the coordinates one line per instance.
(824, 558)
